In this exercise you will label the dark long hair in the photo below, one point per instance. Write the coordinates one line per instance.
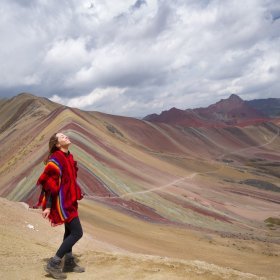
(52, 146)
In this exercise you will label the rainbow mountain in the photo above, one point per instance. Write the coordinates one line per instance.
(214, 178)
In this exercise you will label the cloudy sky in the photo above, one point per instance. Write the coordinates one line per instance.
(136, 57)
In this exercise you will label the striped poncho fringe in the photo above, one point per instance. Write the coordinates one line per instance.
(59, 181)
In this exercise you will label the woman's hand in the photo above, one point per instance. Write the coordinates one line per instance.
(46, 213)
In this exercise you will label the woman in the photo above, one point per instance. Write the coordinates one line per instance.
(58, 199)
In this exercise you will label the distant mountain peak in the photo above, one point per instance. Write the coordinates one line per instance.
(230, 111)
(235, 97)
(26, 94)
(233, 100)
(150, 117)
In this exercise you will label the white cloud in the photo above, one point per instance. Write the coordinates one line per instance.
(139, 57)
(67, 54)
(92, 99)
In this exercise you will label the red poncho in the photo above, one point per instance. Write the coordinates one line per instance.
(59, 181)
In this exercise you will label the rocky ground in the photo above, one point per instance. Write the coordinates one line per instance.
(27, 241)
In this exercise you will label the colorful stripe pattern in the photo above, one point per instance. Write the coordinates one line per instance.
(60, 199)
(55, 164)
(59, 204)
(59, 181)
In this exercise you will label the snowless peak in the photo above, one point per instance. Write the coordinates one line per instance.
(235, 97)
(234, 100)
(26, 94)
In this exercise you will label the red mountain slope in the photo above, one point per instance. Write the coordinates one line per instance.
(231, 111)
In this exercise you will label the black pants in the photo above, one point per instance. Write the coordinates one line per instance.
(73, 232)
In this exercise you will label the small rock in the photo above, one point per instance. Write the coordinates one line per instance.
(30, 226)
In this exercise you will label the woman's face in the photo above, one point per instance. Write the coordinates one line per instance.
(62, 140)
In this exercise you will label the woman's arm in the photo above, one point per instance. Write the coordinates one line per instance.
(46, 212)
(49, 201)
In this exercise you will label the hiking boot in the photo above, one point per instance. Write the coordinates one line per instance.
(54, 269)
(71, 266)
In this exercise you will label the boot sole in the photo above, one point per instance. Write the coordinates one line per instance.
(74, 271)
(55, 274)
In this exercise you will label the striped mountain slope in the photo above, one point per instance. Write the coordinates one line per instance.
(199, 177)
